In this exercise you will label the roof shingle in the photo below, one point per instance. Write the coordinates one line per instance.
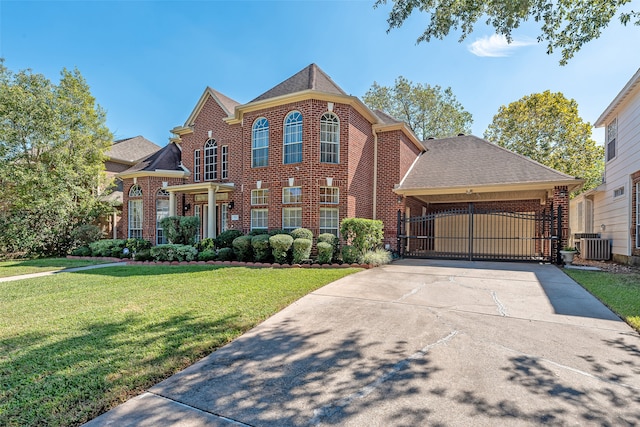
(309, 78)
(131, 149)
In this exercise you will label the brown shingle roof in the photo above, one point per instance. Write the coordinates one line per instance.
(131, 149)
(311, 77)
(385, 118)
(226, 102)
(469, 161)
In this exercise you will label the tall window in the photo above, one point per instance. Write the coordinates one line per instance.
(196, 213)
(260, 143)
(135, 212)
(329, 221)
(329, 195)
(291, 218)
(225, 162)
(162, 211)
(612, 135)
(259, 219)
(291, 195)
(224, 217)
(196, 165)
(211, 160)
(293, 138)
(329, 138)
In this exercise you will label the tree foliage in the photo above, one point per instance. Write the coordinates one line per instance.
(52, 144)
(429, 111)
(547, 128)
(565, 25)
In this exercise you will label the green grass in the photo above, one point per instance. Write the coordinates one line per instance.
(619, 292)
(76, 344)
(18, 267)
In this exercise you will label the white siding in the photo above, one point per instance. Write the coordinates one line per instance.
(615, 212)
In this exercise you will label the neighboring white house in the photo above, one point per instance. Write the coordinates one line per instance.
(613, 208)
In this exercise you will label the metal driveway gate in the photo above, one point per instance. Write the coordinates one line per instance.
(480, 234)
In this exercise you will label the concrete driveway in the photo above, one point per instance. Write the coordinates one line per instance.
(416, 343)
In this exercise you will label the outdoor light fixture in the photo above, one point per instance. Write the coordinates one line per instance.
(603, 227)
(187, 207)
(230, 205)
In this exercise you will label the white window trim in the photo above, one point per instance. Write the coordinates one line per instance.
(335, 195)
(335, 144)
(211, 160)
(263, 132)
(290, 130)
(225, 162)
(196, 165)
(326, 229)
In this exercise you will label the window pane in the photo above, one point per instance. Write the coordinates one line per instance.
(259, 197)
(135, 218)
(259, 218)
(329, 138)
(329, 195)
(260, 143)
(162, 211)
(225, 162)
(291, 218)
(210, 160)
(329, 221)
(196, 165)
(293, 138)
(292, 195)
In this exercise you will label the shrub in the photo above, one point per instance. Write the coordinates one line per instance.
(172, 252)
(81, 251)
(225, 254)
(180, 230)
(332, 240)
(277, 231)
(207, 255)
(280, 245)
(301, 249)
(85, 234)
(261, 248)
(143, 255)
(351, 255)
(258, 232)
(302, 233)
(363, 234)
(225, 239)
(207, 244)
(377, 257)
(242, 248)
(107, 247)
(136, 245)
(325, 252)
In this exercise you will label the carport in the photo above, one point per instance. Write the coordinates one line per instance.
(466, 198)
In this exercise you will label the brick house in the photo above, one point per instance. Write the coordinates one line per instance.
(302, 154)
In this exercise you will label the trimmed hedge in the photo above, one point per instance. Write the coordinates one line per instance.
(301, 249)
(280, 245)
(302, 233)
(325, 252)
(171, 252)
(261, 248)
(351, 255)
(225, 239)
(242, 248)
(107, 248)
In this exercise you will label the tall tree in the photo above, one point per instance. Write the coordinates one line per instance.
(429, 111)
(52, 144)
(547, 128)
(566, 25)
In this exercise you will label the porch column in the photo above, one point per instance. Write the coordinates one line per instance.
(211, 214)
(172, 203)
(114, 218)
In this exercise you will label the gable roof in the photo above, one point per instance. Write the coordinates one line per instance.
(466, 162)
(309, 78)
(227, 104)
(164, 162)
(619, 99)
(130, 150)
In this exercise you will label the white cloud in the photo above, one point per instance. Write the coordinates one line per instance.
(496, 46)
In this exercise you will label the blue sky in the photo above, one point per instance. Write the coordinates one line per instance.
(147, 62)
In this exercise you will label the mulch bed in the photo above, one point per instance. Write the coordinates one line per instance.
(608, 266)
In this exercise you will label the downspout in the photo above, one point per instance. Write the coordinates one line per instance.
(375, 173)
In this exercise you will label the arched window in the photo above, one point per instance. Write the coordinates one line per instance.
(135, 219)
(210, 160)
(260, 143)
(293, 138)
(329, 138)
(162, 211)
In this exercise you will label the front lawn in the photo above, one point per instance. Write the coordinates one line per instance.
(620, 291)
(19, 267)
(74, 345)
